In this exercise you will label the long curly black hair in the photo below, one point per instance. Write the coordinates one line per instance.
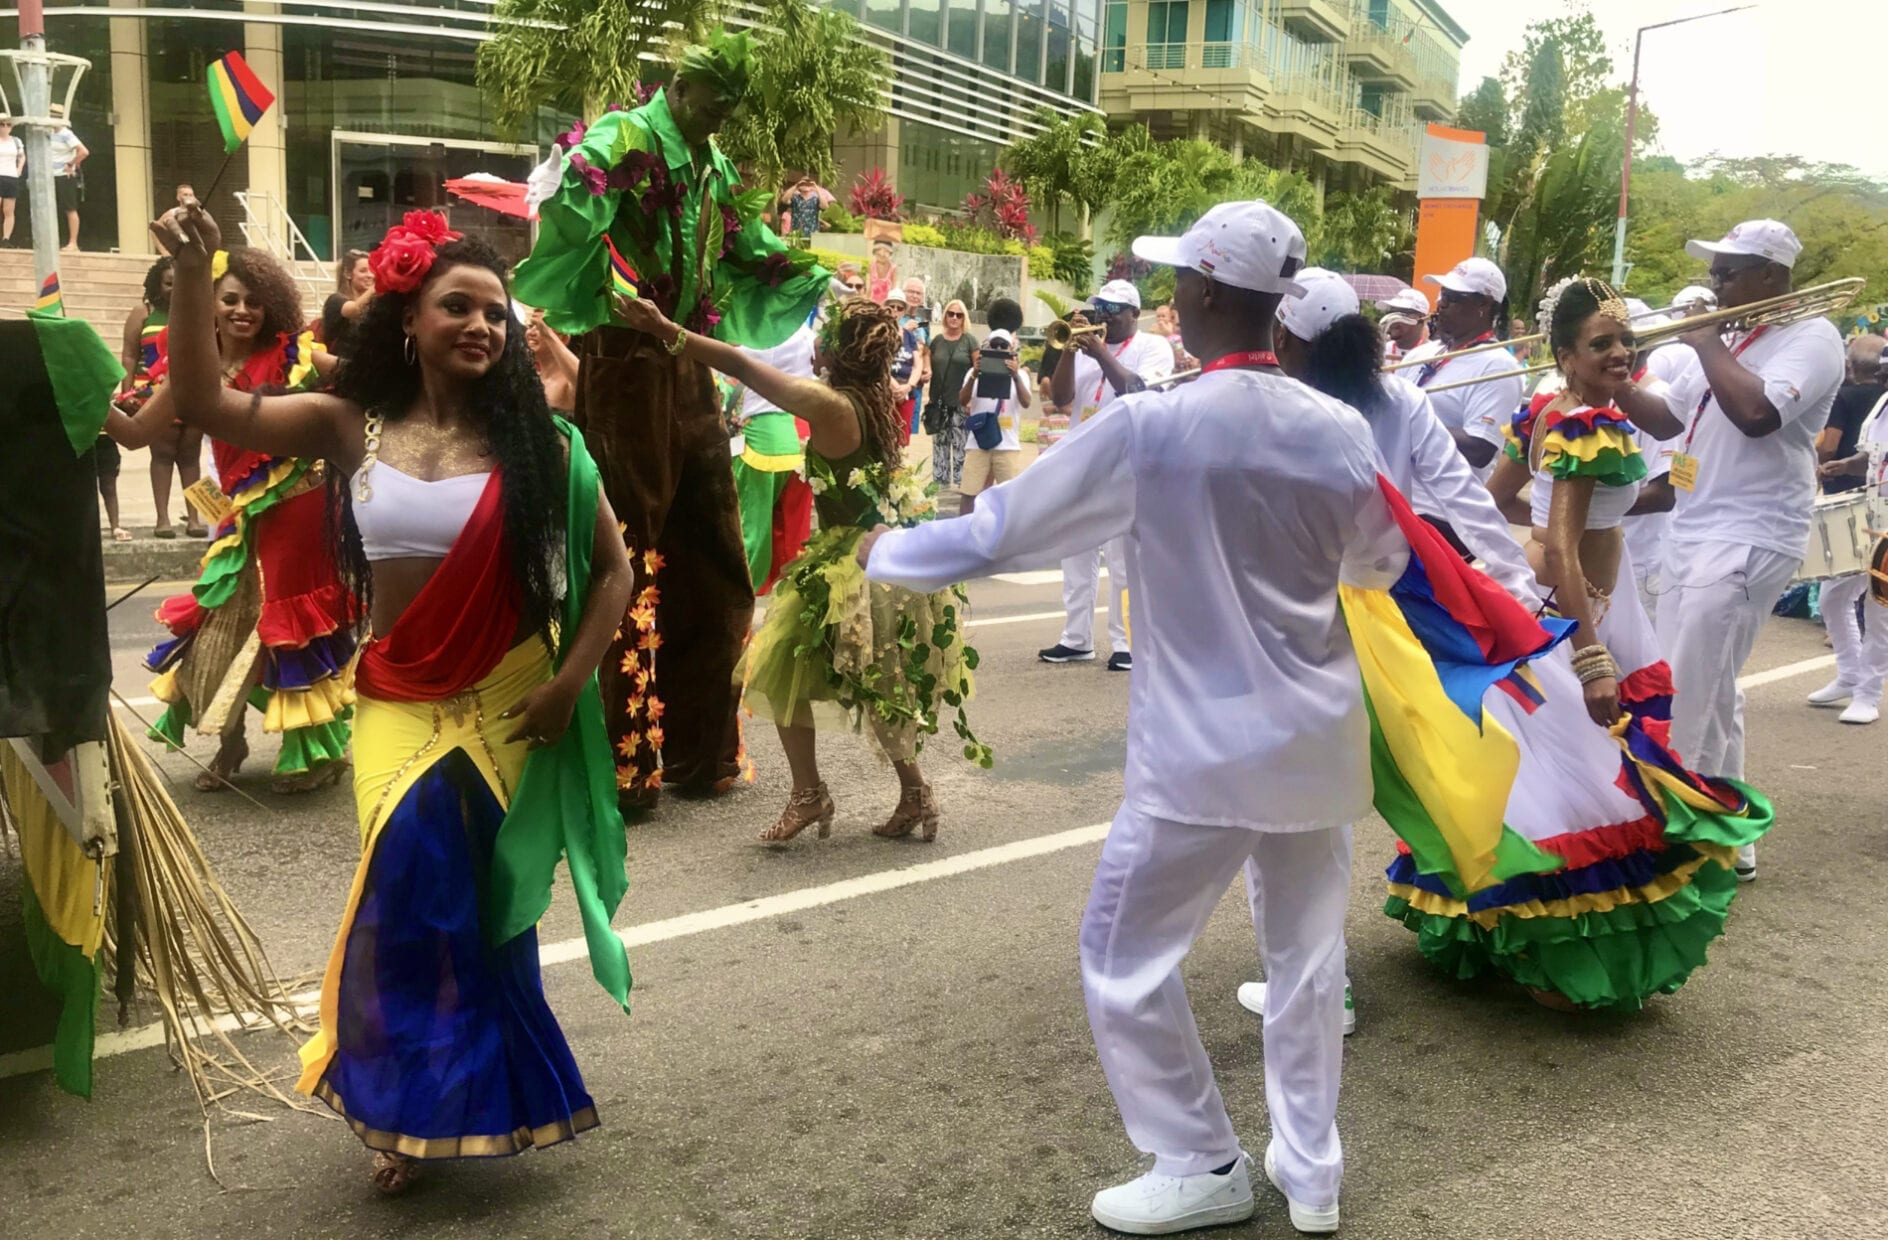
(1346, 361)
(154, 295)
(507, 404)
(270, 283)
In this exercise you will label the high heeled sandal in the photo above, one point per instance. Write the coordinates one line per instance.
(916, 808)
(217, 778)
(393, 1173)
(805, 808)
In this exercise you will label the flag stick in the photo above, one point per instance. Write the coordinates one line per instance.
(216, 180)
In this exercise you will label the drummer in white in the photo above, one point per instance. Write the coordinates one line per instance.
(1123, 359)
(1243, 498)
(1861, 650)
(1746, 414)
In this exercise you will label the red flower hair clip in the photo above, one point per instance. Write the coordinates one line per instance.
(404, 256)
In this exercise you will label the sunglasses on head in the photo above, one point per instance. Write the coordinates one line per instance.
(1111, 307)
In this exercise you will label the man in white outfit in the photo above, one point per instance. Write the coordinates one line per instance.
(1104, 366)
(1861, 649)
(1746, 414)
(1242, 499)
(1646, 523)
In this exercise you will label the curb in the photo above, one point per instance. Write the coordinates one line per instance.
(178, 559)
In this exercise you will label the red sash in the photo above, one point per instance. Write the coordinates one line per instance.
(461, 624)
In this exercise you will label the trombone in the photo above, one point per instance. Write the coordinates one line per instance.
(1059, 335)
(1814, 302)
(1492, 345)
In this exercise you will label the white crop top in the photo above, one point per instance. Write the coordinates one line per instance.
(408, 516)
(1606, 510)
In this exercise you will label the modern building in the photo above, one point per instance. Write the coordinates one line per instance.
(1337, 89)
(378, 105)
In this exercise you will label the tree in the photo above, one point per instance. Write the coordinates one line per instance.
(811, 76)
(1485, 110)
(1586, 66)
(1542, 124)
(1049, 162)
(576, 55)
(1565, 225)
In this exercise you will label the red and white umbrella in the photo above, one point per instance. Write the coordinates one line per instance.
(495, 193)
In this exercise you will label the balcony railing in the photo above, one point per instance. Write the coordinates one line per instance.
(1163, 56)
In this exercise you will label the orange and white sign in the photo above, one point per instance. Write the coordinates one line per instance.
(1453, 164)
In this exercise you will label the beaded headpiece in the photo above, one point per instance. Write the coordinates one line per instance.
(1610, 303)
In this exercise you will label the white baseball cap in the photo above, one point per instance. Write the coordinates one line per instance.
(1765, 239)
(1473, 275)
(1327, 298)
(1696, 294)
(1121, 292)
(1248, 245)
(1642, 314)
(1409, 301)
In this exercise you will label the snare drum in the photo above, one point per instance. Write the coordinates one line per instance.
(1839, 538)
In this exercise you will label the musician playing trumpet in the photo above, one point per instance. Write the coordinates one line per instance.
(1745, 414)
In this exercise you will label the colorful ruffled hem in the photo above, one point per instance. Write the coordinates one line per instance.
(1587, 442)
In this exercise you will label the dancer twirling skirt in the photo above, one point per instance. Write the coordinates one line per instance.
(269, 622)
(471, 524)
(1647, 846)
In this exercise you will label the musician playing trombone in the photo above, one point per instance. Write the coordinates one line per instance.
(1746, 414)
(1101, 366)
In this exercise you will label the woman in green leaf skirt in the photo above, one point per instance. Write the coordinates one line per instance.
(832, 643)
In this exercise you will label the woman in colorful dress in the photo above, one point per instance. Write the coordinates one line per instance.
(474, 531)
(268, 622)
(177, 447)
(829, 637)
(1647, 847)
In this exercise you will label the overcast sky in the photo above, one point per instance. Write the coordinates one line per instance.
(1804, 77)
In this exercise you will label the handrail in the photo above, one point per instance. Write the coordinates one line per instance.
(273, 229)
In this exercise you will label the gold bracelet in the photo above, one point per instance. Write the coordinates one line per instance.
(675, 346)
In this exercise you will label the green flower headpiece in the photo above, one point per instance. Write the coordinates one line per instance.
(723, 64)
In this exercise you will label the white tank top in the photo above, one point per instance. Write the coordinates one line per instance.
(408, 516)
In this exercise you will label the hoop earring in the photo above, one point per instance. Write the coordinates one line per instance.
(406, 349)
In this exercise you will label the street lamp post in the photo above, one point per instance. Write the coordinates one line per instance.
(1632, 117)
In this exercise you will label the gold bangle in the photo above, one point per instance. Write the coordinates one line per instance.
(681, 340)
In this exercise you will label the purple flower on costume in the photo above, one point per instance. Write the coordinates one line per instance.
(774, 268)
(645, 91)
(592, 176)
(730, 229)
(633, 167)
(617, 107)
(662, 291)
(570, 138)
(665, 194)
(706, 318)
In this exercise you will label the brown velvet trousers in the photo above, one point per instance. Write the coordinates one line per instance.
(652, 424)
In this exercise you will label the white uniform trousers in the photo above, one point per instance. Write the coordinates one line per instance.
(1081, 575)
(1715, 601)
(1155, 887)
(1861, 649)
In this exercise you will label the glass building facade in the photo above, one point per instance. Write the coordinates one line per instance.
(378, 104)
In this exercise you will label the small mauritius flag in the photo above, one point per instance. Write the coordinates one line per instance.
(623, 277)
(238, 96)
(49, 301)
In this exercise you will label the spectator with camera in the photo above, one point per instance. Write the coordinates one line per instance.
(994, 390)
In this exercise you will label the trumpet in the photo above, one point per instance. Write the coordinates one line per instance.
(1059, 335)
(1814, 302)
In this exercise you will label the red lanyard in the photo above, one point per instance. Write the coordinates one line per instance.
(1698, 414)
(1251, 357)
(1431, 369)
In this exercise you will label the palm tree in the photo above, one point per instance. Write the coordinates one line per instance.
(577, 55)
(1050, 162)
(812, 74)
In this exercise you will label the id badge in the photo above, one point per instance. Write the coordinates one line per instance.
(1684, 471)
(1006, 421)
(1088, 411)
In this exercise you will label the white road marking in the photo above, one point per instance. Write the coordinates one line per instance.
(1042, 577)
(39, 1059)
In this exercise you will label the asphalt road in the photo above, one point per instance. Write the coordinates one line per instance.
(832, 1047)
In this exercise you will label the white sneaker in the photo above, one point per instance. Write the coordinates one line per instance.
(1860, 712)
(1747, 864)
(1159, 1205)
(1311, 1220)
(1252, 999)
(1832, 694)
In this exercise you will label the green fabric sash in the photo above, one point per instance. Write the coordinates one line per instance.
(565, 805)
(84, 375)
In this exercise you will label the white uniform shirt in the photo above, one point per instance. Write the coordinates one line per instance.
(63, 149)
(1421, 458)
(1241, 497)
(794, 356)
(1143, 354)
(1758, 492)
(1645, 534)
(1481, 409)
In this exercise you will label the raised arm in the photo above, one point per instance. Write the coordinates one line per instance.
(1073, 499)
(133, 344)
(146, 426)
(301, 424)
(835, 427)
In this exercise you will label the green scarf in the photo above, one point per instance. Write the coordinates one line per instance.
(84, 375)
(565, 805)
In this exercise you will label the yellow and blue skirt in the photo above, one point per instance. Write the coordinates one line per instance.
(434, 1043)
